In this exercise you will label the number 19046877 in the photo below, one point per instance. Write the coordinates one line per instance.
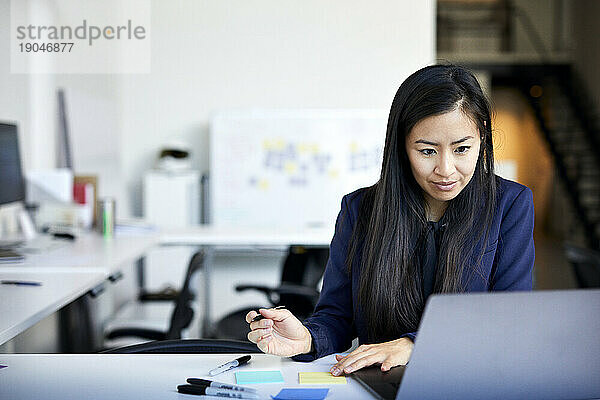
(61, 47)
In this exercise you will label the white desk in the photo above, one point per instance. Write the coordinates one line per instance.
(92, 254)
(66, 272)
(148, 377)
(23, 306)
(245, 237)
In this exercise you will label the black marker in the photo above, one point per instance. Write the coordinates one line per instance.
(21, 283)
(219, 385)
(210, 391)
(63, 235)
(260, 316)
(227, 366)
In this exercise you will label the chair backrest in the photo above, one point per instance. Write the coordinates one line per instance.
(586, 265)
(303, 266)
(189, 346)
(183, 313)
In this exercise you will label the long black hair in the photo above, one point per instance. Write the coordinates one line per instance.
(392, 215)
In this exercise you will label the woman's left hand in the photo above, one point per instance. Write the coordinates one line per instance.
(388, 354)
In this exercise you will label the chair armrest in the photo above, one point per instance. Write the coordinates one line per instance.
(166, 294)
(284, 289)
(299, 290)
(151, 334)
(263, 289)
(196, 346)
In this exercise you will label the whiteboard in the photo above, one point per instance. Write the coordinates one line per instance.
(290, 168)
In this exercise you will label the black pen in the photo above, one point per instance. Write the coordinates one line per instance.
(210, 391)
(21, 283)
(227, 366)
(260, 316)
(219, 385)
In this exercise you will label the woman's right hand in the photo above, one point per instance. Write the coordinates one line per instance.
(279, 333)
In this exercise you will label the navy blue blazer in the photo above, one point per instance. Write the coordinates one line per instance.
(507, 264)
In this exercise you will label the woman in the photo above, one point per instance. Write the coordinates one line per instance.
(437, 221)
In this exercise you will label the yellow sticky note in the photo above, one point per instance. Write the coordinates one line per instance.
(290, 167)
(263, 184)
(320, 378)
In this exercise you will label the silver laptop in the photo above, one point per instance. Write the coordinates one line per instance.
(517, 345)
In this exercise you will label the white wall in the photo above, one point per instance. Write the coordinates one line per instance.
(210, 55)
(14, 89)
(92, 102)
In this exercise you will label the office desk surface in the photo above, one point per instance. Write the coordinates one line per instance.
(66, 272)
(90, 251)
(23, 306)
(148, 377)
(232, 236)
(92, 254)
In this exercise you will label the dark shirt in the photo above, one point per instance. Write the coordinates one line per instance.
(506, 264)
(430, 252)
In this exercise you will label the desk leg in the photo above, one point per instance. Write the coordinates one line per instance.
(206, 331)
(141, 277)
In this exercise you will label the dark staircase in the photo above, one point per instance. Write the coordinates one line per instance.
(568, 119)
(569, 122)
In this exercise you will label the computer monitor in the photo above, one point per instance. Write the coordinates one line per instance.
(12, 183)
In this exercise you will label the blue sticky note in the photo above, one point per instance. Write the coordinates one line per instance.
(301, 393)
(250, 377)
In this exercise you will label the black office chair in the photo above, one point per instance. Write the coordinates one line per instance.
(586, 265)
(182, 314)
(188, 346)
(301, 273)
